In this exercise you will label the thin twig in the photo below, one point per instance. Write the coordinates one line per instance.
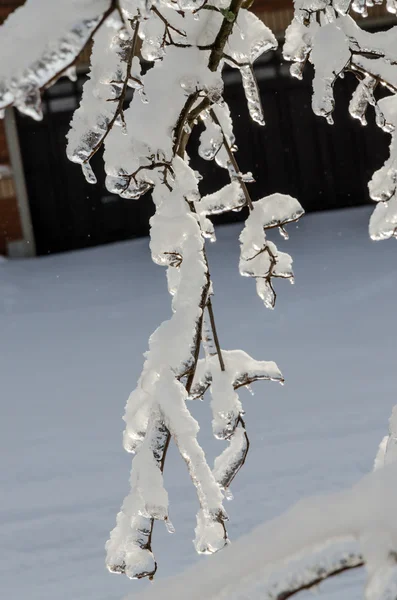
(233, 161)
(215, 334)
(179, 147)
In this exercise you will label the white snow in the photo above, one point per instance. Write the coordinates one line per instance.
(318, 533)
(73, 328)
(35, 49)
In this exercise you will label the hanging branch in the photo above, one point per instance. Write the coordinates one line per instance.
(145, 148)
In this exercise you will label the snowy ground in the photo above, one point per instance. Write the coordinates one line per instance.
(73, 329)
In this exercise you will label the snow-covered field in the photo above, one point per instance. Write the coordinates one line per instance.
(73, 330)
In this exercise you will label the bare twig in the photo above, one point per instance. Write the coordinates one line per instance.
(233, 162)
(215, 334)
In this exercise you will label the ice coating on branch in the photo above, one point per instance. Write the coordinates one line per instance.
(328, 66)
(104, 92)
(211, 140)
(362, 97)
(383, 183)
(242, 369)
(225, 404)
(227, 464)
(351, 47)
(387, 452)
(224, 374)
(54, 42)
(128, 549)
(250, 38)
(383, 221)
(252, 95)
(242, 49)
(230, 197)
(259, 257)
(151, 125)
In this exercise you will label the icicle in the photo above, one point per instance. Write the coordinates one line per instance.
(252, 94)
(259, 257)
(143, 96)
(229, 495)
(284, 233)
(246, 177)
(211, 140)
(169, 526)
(71, 73)
(266, 292)
(362, 97)
(88, 173)
(391, 6)
(30, 103)
(359, 6)
(296, 70)
(135, 189)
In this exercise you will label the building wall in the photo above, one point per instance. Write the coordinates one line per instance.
(10, 225)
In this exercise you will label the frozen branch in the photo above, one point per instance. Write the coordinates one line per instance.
(324, 33)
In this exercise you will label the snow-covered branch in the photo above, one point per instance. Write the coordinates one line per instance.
(318, 538)
(145, 141)
(324, 33)
(33, 57)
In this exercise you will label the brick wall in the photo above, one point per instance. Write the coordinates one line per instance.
(10, 225)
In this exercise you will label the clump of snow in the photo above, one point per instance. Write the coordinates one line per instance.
(33, 56)
(260, 258)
